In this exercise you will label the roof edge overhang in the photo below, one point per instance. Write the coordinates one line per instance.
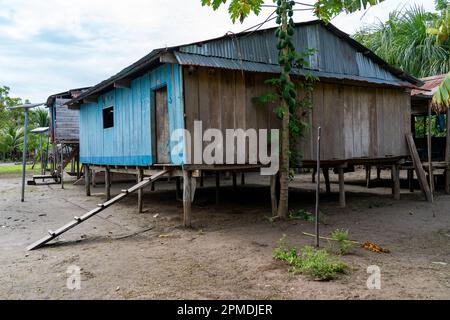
(188, 59)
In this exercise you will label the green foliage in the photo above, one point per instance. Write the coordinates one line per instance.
(302, 214)
(342, 239)
(404, 41)
(238, 9)
(422, 128)
(441, 99)
(317, 264)
(12, 123)
(327, 9)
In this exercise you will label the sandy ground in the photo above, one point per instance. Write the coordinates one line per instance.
(228, 254)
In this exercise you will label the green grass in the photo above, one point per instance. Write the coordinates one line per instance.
(316, 264)
(17, 169)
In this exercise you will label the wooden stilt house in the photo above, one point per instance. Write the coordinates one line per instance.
(64, 131)
(362, 104)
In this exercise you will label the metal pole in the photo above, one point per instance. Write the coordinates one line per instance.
(42, 155)
(24, 155)
(319, 133)
(430, 156)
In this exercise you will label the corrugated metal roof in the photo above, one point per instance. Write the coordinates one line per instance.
(338, 56)
(430, 87)
(333, 56)
(222, 63)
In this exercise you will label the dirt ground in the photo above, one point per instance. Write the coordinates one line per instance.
(228, 254)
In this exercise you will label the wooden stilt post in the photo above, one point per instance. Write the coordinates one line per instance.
(243, 179)
(187, 199)
(430, 155)
(326, 174)
(342, 200)
(217, 187)
(87, 182)
(78, 166)
(396, 181)
(202, 179)
(108, 183)
(368, 176)
(234, 181)
(447, 155)
(178, 187)
(62, 166)
(411, 180)
(93, 178)
(378, 173)
(140, 178)
(314, 175)
(273, 195)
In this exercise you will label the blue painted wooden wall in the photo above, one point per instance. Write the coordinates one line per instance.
(129, 142)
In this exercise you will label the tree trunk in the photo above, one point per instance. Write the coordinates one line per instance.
(283, 206)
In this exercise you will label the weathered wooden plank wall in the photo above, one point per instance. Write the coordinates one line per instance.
(129, 142)
(357, 122)
(64, 122)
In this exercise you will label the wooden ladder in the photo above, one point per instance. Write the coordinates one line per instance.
(101, 207)
(421, 175)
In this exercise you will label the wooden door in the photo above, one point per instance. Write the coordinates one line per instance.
(162, 135)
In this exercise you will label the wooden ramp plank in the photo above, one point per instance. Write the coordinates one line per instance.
(90, 214)
(419, 168)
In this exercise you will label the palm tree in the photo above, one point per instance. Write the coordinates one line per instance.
(404, 41)
(11, 141)
(40, 118)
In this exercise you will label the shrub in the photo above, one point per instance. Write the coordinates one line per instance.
(317, 264)
(340, 236)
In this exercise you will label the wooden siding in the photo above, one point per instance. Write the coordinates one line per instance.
(129, 142)
(64, 123)
(357, 122)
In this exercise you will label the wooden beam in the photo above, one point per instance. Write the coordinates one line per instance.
(187, 199)
(87, 181)
(419, 168)
(123, 84)
(234, 181)
(140, 178)
(342, 200)
(243, 179)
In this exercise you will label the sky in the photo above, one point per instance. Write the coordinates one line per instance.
(50, 46)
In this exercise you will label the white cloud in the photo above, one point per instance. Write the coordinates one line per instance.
(48, 46)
